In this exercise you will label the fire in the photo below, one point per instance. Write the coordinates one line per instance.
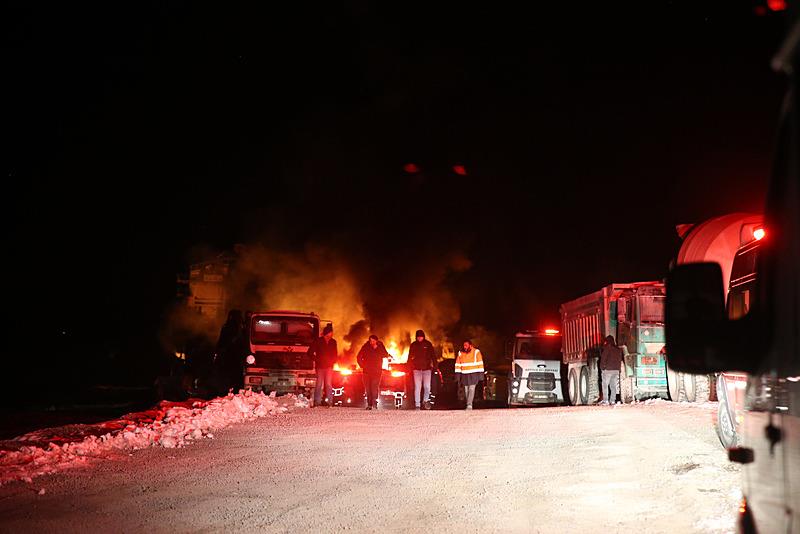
(342, 370)
(398, 354)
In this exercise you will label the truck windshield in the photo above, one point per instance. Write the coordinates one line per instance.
(545, 348)
(283, 330)
(651, 308)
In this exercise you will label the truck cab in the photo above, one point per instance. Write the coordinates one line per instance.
(707, 335)
(278, 360)
(531, 373)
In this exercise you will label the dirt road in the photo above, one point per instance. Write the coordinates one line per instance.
(642, 468)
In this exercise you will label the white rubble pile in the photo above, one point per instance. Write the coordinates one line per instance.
(179, 426)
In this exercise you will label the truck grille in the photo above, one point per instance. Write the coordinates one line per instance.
(283, 360)
(541, 381)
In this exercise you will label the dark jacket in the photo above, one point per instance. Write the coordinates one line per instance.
(371, 360)
(610, 358)
(421, 355)
(231, 346)
(324, 354)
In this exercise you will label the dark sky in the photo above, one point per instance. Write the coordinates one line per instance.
(137, 131)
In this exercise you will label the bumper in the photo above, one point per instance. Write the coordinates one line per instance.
(280, 384)
(537, 397)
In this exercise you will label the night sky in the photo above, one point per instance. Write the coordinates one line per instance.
(134, 134)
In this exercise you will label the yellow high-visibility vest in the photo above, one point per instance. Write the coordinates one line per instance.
(470, 362)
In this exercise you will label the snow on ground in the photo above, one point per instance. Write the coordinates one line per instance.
(169, 425)
(648, 467)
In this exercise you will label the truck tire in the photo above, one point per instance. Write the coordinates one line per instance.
(673, 384)
(726, 432)
(625, 386)
(572, 388)
(689, 383)
(583, 385)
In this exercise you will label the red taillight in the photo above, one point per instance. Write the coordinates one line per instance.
(397, 374)
(776, 5)
(411, 168)
(759, 234)
(551, 332)
(345, 371)
(460, 170)
(250, 359)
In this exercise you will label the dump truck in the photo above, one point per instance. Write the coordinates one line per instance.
(634, 314)
(279, 361)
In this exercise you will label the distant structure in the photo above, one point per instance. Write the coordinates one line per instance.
(204, 288)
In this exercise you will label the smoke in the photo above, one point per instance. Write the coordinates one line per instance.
(413, 295)
(318, 280)
(359, 294)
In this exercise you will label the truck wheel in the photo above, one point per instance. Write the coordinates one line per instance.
(673, 384)
(572, 387)
(583, 384)
(725, 429)
(689, 387)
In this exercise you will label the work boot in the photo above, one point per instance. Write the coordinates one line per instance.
(369, 407)
(427, 405)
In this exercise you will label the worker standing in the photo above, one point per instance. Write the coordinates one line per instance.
(324, 352)
(469, 370)
(610, 364)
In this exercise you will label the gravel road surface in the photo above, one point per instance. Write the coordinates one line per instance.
(638, 468)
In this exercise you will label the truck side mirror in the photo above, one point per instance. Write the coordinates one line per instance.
(695, 317)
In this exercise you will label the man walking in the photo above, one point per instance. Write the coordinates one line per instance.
(610, 363)
(370, 358)
(324, 352)
(469, 370)
(422, 358)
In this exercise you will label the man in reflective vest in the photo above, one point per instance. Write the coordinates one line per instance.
(469, 370)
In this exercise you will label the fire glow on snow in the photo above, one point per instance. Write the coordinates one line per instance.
(173, 425)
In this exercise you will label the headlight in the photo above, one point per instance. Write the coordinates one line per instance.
(514, 390)
(516, 383)
(250, 359)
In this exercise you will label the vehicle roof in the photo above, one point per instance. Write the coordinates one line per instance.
(609, 291)
(535, 333)
(287, 313)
